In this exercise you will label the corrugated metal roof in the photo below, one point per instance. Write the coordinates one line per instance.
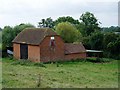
(93, 51)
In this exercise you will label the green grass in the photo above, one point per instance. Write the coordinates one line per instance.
(0, 73)
(80, 74)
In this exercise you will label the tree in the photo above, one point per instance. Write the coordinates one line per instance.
(7, 36)
(112, 44)
(109, 37)
(46, 23)
(67, 19)
(68, 32)
(86, 42)
(81, 28)
(114, 49)
(90, 22)
(96, 40)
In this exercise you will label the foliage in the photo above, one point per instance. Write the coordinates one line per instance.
(96, 41)
(66, 19)
(110, 29)
(99, 60)
(111, 43)
(68, 32)
(90, 22)
(109, 37)
(7, 37)
(81, 28)
(48, 22)
(9, 33)
(114, 48)
(86, 42)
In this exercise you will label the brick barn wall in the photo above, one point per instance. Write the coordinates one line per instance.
(49, 54)
(75, 56)
(34, 53)
(16, 50)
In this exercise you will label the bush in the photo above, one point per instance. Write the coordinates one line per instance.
(98, 60)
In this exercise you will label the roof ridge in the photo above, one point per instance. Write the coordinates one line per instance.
(46, 30)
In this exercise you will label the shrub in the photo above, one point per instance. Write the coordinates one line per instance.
(98, 60)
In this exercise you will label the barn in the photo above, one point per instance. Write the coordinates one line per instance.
(44, 45)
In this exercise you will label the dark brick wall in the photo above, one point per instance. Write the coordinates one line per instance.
(51, 54)
(75, 56)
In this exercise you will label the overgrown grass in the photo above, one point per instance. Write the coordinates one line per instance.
(79, 74)
(0, 73)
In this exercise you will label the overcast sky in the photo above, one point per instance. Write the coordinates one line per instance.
(14, 12)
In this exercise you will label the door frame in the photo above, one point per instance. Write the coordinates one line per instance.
(23, 51)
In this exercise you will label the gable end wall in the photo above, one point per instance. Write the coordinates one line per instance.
(47, 54)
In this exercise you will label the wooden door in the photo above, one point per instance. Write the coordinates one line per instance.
(23, 51)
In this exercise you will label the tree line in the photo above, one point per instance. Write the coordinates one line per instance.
(86, 29)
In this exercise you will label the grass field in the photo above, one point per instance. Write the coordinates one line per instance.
(61, 75)
(0, 73)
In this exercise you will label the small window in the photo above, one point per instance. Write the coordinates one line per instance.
(52, 38)
(52, 41)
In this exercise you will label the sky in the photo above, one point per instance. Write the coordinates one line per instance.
(14, 12)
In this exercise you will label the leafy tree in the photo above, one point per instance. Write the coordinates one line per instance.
(7, 36)
(66, 19)
(111, 29)
(96, 40)
(68, 32)
(113, 49)
(109, 37)
(90, 22)
(86, 42)
(46, 23)
(111, 45)
(81, 28)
